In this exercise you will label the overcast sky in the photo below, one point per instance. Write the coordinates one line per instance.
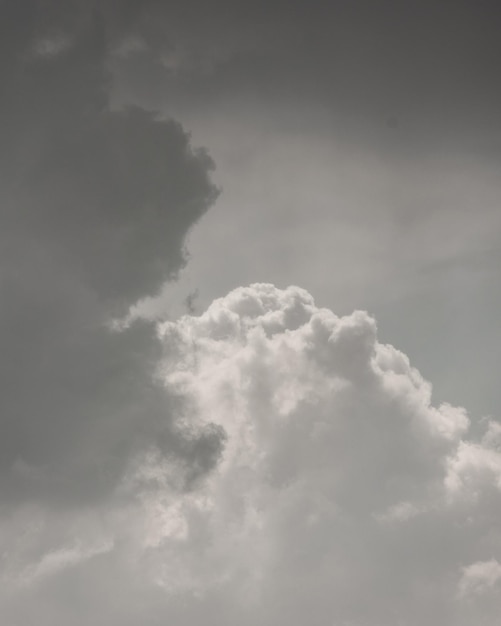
(250, 313)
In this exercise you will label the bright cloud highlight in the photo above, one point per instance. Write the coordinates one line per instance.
(313, 481)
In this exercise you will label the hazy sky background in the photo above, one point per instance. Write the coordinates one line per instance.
(232, 453)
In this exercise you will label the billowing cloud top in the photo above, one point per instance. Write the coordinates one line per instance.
(317, 482)
(346, 496)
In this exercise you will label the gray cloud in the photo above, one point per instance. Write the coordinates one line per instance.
(96, 206)
(112, 193)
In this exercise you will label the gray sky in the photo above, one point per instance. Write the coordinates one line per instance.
(178, 446)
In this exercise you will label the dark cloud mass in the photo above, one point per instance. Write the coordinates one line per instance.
(113, 193)
(96, 205)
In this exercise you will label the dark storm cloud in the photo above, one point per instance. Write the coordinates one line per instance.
(95, 207)
(116, 190)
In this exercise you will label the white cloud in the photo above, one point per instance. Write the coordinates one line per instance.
(341, 484)
(54, 562)
(342, 495)
(480, 577)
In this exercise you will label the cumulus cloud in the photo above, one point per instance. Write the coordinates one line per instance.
(352, 498)
(319, 483)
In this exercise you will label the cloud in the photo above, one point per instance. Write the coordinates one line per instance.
(62, 558)
(112, 194)
(313, 479)
(480, 577)
(351, 497)
(96, 205)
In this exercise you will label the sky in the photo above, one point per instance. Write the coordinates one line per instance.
(249, 313)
